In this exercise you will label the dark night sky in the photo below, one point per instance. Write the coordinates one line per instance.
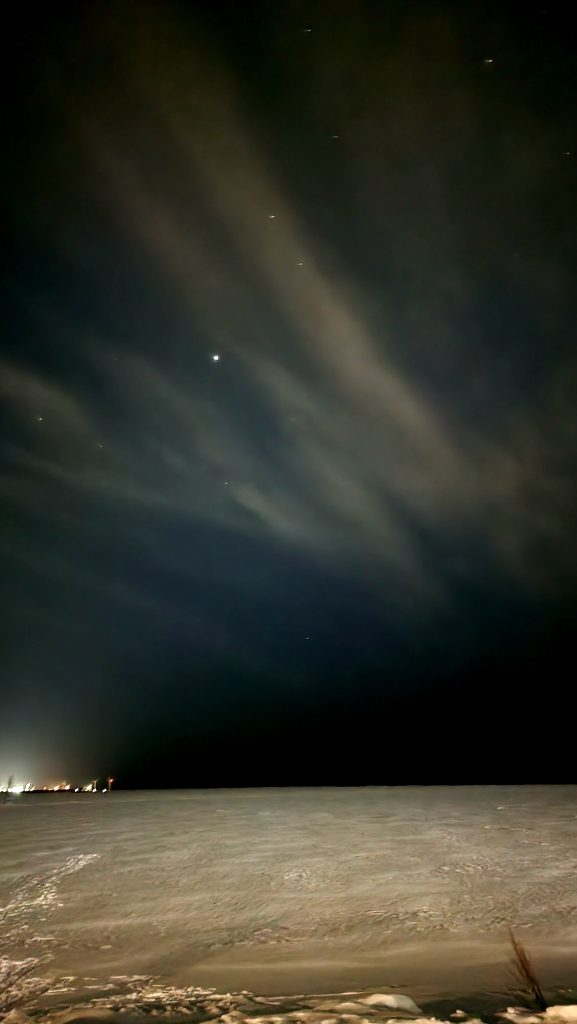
(344, 552)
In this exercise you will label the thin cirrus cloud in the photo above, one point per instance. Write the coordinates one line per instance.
(360, 444)
(362, 462)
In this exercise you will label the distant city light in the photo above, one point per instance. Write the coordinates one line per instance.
(16, 788)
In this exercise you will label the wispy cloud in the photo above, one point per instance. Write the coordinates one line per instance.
(347, 455)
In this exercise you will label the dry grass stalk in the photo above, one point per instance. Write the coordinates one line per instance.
(525, 972)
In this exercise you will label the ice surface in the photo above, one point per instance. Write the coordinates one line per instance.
(188, 886)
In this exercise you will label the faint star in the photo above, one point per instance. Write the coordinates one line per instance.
(99, 445)
(40, 419)
(215, 357)
(226, 483)
(300, 263)
(335, 136)
(567, 152)
(307, 30)
(488, 60)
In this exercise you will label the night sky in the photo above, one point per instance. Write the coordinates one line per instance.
(288, 386)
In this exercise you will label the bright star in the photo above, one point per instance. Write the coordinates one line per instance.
(215, 357)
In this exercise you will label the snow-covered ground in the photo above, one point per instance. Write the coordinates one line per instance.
(285, 891)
